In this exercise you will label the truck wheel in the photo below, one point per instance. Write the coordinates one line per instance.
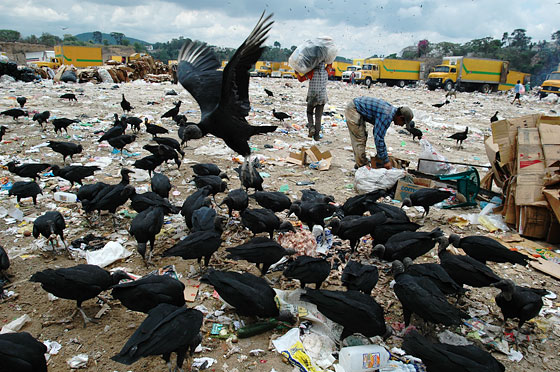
(401, 83)
(485, 88)
(368, 82)
(448, 85)
(431, 87)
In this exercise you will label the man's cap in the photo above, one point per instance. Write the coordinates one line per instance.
(407, 113)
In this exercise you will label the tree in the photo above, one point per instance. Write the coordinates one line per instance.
(49, 39)
(519, 39)
(556, 37)
(505, 39)
(138, 48)
(97, 37)
(9, 35)
(293, 47)
(125, 42)
(277, 44)
(105, 42)
(31, 39)
(118, 36)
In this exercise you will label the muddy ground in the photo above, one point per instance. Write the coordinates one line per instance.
(96, 106)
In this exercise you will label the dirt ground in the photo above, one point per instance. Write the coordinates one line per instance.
(95, 108)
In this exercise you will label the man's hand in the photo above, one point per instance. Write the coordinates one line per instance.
(388, 165)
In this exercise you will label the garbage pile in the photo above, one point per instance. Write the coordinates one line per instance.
(10, 70)
(525, 154)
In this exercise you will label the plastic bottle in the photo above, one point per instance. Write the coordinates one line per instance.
(65, 197)
(363, 358)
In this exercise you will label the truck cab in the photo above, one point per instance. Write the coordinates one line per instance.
(551, 85)
(444, 75)
(369, 74)
(347, 75)
(53, 63)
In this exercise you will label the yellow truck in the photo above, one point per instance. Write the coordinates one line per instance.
(513, 77)
(265, 68)
(337, 69)
(74, 55)
(400, 72)
(551, 85)
(474, 73)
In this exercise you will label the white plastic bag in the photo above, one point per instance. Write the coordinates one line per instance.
(432, 167)
(105, 76)
(105, 256)
(311, 53)
(369, 179)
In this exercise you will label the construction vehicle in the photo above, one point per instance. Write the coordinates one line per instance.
(551, 85)
(336, 69)
(400, 72)
(474, 73)
(512, 78)
(73, 55)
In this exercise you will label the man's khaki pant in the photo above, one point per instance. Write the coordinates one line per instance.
(358, 133)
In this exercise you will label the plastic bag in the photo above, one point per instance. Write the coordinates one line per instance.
(69, 76)
(370, 179)
(105, 256)
(432, 167)
(291, 347)
(311, 53)
(105, 76)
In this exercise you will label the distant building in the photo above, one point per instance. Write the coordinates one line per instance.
(149, 47)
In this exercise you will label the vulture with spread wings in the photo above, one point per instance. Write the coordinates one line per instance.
(223, 97)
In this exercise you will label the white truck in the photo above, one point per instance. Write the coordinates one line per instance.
(32, 58)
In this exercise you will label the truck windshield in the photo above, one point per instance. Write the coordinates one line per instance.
(351, 68)
(554, 76)
(441, 69)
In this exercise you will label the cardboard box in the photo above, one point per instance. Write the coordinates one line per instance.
(492, 150)
(553, 235)
(550, 139)
(553, 198)
(510, 211)
(404, 188)
(529, 188)
(311, 155)
(534, 220)
(530, 156)
(504, 133)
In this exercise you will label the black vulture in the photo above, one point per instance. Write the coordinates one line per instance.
(260, 220)
(353, 228)
(125, 105)
(50, 225)
(79, 283)
(65, 149)
(426, 198)
(485, 249)
(273, 200)
(280, 115)
(149, 291)
(22, 189)
(236, 200)
(144, 228)
(194, 201)
(359, 277)
(74, 173)
(167, 329)
(308, 269)
(27, 170)
(460, 137)
(161, 185)
(259, 250)
(21, 352)
(411, 244)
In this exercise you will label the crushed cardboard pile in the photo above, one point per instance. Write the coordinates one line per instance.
(311, 155)
(525, 164)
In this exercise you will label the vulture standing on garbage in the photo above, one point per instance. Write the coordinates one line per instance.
(22, 189)
(208, 169)
(280, 115)
(62, 123)
(356, 276)
(70, 97)
(161, 185)
(518, 302)
(144, 228)
(65, 149)
(224, 97)
(149, 291)
(260, 220)
(173, 112)
(27, 170)
(411, 244)
(247, 293)
(259, 250)
(426, 198)
(14, 113)
(308, 269)
(494, 117)
(167, 329)
(354, 310)
(465, 269)
(79, 283)
(2, 131)
(419, 295)
(273, 200)
(440, 357)
(41, 117)
(353, 228)
(74, 173)
(125, 105)
(359, 204)
(50, 225)
(199, 244)
(460, 137)
(437, 274)
(21, 101)
(236, 200)
(21, 352)
(195, 201)
(171, 142)
(484, 249)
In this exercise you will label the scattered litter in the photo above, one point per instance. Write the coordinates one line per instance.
(15, 325)
(203, 363)
(78, 361)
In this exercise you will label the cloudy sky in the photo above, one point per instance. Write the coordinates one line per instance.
(359, 27)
